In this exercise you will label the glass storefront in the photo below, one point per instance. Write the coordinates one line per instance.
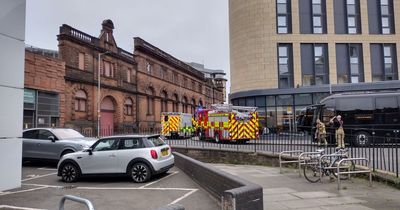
(279, 113)
(41, 109)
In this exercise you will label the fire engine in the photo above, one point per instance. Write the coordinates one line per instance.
(223, 122)
(176, 124)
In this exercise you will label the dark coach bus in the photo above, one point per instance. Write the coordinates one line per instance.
(364, 115)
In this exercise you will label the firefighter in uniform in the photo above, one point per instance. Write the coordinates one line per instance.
(339, 134)
(320, 133)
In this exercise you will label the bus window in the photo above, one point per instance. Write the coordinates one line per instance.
(358, 110)
(327, 114)
(387, 110)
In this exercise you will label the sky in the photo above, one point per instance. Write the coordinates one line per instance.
(190, 30)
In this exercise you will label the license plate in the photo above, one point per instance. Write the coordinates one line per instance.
(164, 152)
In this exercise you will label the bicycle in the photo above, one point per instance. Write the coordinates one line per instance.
(313, 169)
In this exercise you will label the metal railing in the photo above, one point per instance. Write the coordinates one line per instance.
(287, 161)
(355, 171)
(86, 202)
(382, 152)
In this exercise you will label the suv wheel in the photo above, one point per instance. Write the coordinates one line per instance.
(69, 173)
(140, 172)
(362, 139)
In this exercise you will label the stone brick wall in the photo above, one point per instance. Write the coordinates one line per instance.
(46, 74)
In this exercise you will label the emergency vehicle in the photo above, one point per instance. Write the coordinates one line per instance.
(176, 124)
(224, 122)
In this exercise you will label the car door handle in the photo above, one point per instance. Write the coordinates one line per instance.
(112, 155)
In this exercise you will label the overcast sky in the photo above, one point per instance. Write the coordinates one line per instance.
(190, 30)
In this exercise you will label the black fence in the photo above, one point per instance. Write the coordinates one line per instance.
(381, 148)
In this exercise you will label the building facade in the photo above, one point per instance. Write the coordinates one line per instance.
(135, 87)
(287, 54)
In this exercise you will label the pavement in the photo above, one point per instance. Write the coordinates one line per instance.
(289, 191)
(42, 189)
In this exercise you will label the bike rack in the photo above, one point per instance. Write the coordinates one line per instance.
(302, 161)
(354, 172)
(87, 203)
(320, 163)
(287, 161)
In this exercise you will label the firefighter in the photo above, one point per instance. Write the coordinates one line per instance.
(339, 134)
(320, 133)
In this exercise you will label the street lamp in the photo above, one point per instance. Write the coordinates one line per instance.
(98, 91)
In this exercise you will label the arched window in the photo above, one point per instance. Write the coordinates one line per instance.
(164, 101)
(193, 105)
(176, 103)
(185, 105)
(80, 101)
(128, 105)
(150, 101)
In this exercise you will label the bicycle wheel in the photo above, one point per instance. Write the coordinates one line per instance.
(311, 171)
(350, 165)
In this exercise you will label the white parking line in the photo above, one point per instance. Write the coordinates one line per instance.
(47, 169)
(17, 207)
(39, 176)
(22, 191)
(159, 179)
(184, 196)
(134, 188)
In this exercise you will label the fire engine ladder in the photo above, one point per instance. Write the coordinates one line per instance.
(231, 108)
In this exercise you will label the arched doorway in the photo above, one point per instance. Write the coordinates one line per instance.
(107, 116)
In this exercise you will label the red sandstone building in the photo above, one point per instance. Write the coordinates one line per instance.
(135, 87)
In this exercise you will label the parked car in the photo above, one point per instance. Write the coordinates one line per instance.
(137, 156)
(52, 143)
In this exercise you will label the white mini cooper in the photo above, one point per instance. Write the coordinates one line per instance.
(138, 156)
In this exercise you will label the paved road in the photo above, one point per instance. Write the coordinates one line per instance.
(383, 157)
(288, 191)
(42, 189)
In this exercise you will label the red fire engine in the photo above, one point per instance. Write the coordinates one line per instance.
(225, 122)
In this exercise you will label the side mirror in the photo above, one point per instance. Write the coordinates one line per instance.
(52, 138)
(90, 150)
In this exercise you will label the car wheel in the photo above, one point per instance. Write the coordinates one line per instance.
(140, 172)
(362, 139)
(69, 173)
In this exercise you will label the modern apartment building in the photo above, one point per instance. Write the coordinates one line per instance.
(287, 54)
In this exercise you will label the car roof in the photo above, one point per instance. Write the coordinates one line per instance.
(133, 136)
(49, 129)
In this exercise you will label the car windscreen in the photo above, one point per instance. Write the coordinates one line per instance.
(155, 141)
(67, 134)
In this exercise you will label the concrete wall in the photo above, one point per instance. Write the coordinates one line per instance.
(12, 36)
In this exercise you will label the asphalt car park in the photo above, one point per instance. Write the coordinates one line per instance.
(43, 189)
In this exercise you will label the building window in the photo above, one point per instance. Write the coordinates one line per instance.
(353, 24)
(318, 17)
(149, 68)
(386, 7)
(150, 101)
(128, 106)
(108, 69)
(184, 105)
(381, 17)
(164, 101)
(128, 75)
(176, 103)
(314, 64)
(81, 62)
(80, 101)
(285, 67)
(384, 62)
(349, 62)
(162, 72)
(283, 11)
(193, 105)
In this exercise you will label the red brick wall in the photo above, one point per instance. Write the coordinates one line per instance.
(46, 74)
